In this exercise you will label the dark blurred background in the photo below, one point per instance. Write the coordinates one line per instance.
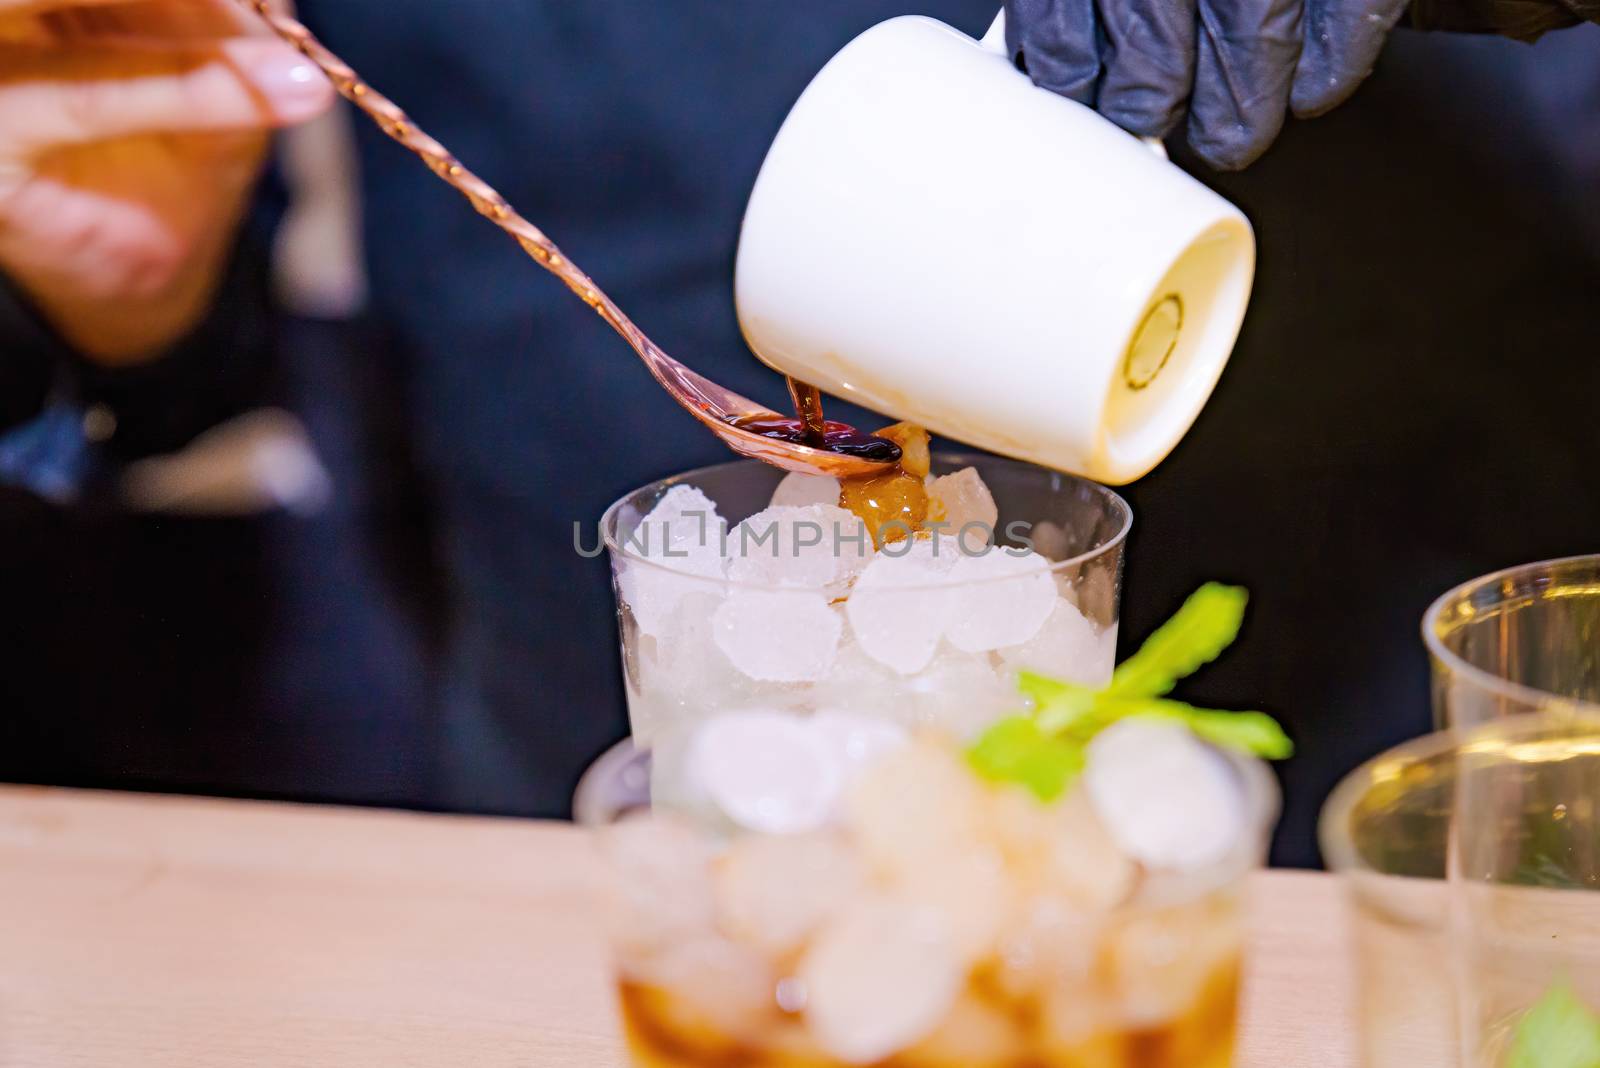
(1412, 403)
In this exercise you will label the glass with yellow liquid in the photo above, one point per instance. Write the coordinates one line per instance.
(1471, 860)
(1526, 639)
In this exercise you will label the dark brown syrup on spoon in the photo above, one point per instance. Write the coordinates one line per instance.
(810, 428)
(893, 504)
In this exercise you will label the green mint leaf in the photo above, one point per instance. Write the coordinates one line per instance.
(1015, 750)
(1255, 733)
(1558, 1032)
(1045, 750)
(1042, 688)
(1058, 707)
(1200, 630)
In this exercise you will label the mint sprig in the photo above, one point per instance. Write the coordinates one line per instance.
(1047, 748)
(1016, 750)
(1061, 708)
(1196, 634)
(1255, 733)
(1560, 1031)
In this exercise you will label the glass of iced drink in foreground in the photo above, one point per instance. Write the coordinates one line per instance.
(935, 919)
(772, 636)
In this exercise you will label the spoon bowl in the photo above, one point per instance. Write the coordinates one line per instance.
(727, 414)
(792, 457)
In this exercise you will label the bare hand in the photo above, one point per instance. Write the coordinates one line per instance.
(130, 136)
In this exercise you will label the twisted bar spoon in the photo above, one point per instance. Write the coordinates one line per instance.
(750, 429)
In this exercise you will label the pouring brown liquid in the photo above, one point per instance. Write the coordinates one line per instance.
(893, 505)
(808, 407)
(810, 428)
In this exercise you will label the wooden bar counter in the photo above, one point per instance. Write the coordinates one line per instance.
(142, 930)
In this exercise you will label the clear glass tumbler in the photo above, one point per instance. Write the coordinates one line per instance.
(972, 928)
(744, 592)
(1470, 859)
(1526, 639)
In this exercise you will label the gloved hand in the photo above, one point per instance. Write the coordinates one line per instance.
(1524, 20)
(1235, 66)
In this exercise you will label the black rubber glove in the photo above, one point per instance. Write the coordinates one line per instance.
(1236, 67)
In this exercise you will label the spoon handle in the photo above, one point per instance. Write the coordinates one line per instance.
(677, 379)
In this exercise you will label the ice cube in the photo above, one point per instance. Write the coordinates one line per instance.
(651, 592)
(1083, 862)
(684, 667)
(1166, 963)
(1168, 800)
(853, 547)
(677, 780)
(767, 770)
(681, 540)
(709, 989)
(1067, 647)
(879, 977)
(1061, 851)
(1092, 588)
(958, 694)
(683, 676)
(918, 817)
(661, 883)
(774, 890)
(915, 811)
(970, 889)
(797, 489)
(683, 532)
(856, 683)
(934, 551)
(1019, 825)
(684, 515)
(1048, 942)
(963, 501)
(818, 546)
(900, 603)
(1050, 540)
(858, 740)
(780, 636)
(1003, 597)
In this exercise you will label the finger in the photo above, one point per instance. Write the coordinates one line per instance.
(1244, 65)
(40, 7)
(98, 94)
(1342, 42)
(82, 239)
(194, 18)
(167, 20)
(1056, 42)
(1149, 61)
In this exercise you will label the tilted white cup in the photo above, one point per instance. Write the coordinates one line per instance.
(934, 237)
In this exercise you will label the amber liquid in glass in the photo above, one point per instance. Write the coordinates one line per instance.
(663, 1031)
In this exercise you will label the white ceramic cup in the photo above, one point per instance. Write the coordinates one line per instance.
(935, 238)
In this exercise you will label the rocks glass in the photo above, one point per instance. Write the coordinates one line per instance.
(770, 640)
